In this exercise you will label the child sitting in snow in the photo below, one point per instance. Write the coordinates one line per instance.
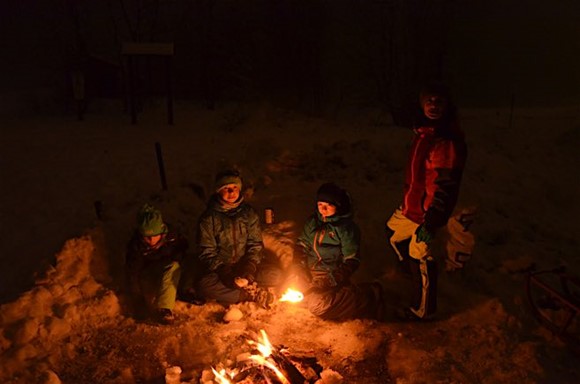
(230, 247)
(153, 259)
(326, 256)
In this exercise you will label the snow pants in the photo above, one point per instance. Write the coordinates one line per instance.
(345, 302)
(423, 266)
(159, 283)
(210, 286)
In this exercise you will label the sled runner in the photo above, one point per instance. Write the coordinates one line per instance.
(554, 297)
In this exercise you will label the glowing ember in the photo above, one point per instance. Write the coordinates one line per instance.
(292, 296)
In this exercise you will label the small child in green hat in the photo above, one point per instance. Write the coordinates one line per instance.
(153, 259)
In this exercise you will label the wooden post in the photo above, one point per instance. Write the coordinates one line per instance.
(161, 166)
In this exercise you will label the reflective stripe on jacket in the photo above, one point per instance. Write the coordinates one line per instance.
(329, 243)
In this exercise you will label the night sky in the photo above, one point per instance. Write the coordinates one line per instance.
(488, 51)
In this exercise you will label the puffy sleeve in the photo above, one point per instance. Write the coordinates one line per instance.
(448, 160)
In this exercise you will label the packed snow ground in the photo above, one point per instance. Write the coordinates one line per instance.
(65, 318)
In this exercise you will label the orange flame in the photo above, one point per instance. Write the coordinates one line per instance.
(221, 376)
(292, 296)
(268, 364)
(265, 348)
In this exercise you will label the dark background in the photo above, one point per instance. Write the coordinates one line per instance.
(311, 55)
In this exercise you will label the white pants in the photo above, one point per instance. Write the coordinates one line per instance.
(425, 301)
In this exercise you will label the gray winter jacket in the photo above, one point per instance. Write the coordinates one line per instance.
(228, 236)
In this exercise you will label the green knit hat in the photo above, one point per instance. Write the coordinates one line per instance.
(226, 178)
(150, 222)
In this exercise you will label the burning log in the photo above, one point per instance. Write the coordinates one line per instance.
(268, 364)
(294, 375)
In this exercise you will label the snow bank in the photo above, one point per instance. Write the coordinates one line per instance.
(34, 328)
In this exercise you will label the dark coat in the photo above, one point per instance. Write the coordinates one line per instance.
(141, 255)
(329, 243)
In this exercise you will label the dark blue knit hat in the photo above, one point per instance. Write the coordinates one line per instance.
(335, 195)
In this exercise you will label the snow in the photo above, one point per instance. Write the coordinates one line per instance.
(64, 317)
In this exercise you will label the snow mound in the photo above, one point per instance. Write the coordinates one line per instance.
(65, 300)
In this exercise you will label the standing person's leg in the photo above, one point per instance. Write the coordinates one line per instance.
(424, 278)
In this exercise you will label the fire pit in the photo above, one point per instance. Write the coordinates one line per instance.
(265, 363)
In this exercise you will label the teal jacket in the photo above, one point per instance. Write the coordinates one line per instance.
(329, 243)
(226, 236)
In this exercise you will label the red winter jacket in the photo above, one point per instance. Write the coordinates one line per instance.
(434, 171)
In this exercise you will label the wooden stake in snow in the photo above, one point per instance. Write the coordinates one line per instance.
(161, 166)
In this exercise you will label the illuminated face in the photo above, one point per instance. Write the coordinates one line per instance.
(326, 209)
(153, 240)
(434, 107)
(230, 193)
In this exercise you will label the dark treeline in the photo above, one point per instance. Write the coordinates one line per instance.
(315, 55)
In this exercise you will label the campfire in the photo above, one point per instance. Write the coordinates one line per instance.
(267, 364)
